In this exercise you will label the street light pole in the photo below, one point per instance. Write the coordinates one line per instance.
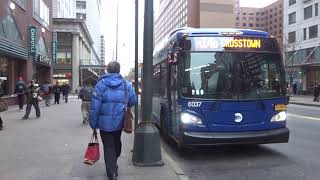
(136, 60)
(117, 29)
(146, 149)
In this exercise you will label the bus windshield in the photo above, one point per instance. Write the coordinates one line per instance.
(232, 75)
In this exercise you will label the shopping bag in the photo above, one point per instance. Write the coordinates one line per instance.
(3, 105)
(92, 154)
(128, 118)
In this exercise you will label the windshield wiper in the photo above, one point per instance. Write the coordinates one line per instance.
(260, 100)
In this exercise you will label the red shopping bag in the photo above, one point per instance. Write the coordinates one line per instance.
(92, 154)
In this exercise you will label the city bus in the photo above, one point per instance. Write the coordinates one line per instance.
(220, 86)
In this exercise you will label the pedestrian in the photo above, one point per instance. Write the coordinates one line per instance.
(1, 94)
(107, 113)
(294, 88)
(56, 91)
(316, 92)
(32, 94)
(20, 92)
(65, 91)
(47, 91)
(85, 95)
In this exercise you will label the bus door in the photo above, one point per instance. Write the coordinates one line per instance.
(173, 98)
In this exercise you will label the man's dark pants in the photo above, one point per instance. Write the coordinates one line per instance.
(35, 103)
(56, 98)
(66, 98)
(21, 101)
(112, 150)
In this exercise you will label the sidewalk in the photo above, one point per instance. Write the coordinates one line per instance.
(53, 147)
(303, 100)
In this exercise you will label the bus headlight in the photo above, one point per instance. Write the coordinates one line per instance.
(281, 116)
(187, 118)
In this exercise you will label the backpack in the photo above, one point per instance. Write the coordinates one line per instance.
(87, 93)
(20, 87)
(46, 88)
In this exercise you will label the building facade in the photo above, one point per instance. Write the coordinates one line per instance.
(25, 41)
(64, 8)
(269, 18)
(90, 11)
(103, 50)
(74, 45)
(302, 43)
(174, 14)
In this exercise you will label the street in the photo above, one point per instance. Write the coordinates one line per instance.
(296, 160)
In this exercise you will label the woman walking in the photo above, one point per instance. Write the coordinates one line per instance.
(107, 112)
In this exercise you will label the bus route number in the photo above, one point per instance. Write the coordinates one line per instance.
(194, 104)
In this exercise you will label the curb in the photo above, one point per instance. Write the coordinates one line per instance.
(305, 104)
(174, 167)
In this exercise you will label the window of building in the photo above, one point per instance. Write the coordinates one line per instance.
(292, 37)
(81, 16)
(244, 18)
(237, 18)
(41, 12)
(237, 24)
(10, 30)
(21, 3)
(316, 9)
(313, 31)
(244, 24)
(257, 25)
(280, 31)
(292, 18)
(271, 16)
(292, 2)
(63, 57)
(81, 4)
(250, 19)
(244, 14)
(308, 12)
(304, 33)
(257, 13)
(257, 19)
(251, 14)
(250, 25)
(262, 13)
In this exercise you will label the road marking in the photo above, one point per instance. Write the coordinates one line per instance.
(302, 106)
(174, 166)
(305, 117)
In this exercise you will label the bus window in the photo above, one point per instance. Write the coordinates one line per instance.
(156, 81)
(163, 79)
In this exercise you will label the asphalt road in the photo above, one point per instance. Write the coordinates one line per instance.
(297, 160)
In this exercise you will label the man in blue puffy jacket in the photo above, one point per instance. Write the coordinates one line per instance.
(107, 111)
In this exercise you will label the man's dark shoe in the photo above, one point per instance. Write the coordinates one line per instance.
(24, 118)
(38, 117)
(113, 177)
(1, 127)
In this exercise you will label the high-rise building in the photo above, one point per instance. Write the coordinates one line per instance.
(90, 11)
(103, 50)
(302, 43)
(193, 13)
(269, 18)
(64, 8)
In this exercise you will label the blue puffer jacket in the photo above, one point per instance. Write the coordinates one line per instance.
(108, 103)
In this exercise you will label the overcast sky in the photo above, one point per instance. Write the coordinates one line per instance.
(126, 28)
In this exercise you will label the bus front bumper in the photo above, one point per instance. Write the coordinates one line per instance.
(220, 138)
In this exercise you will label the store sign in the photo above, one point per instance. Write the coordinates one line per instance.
(54, 47)
(43, 60)
(32, 39)
(59, 76)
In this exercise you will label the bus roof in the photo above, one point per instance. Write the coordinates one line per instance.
(220, 32)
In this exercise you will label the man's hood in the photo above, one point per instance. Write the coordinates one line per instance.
(112, 80)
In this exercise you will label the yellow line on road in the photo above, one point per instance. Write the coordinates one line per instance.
(305, 117)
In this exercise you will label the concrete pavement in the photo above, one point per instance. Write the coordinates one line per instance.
(53, 147)
(303, 100)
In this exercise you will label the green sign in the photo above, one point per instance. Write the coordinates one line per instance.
(54, 48)
(32, 40)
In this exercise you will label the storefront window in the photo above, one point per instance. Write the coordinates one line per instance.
(63, 57)
(4, 74)
(42, 48)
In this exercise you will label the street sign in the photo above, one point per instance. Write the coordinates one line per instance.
(54, 47)
(32, 39)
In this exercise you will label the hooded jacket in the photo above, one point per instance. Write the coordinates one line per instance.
(108, 102)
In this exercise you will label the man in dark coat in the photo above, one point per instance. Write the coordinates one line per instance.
(20, 92)
(32, 94)
(65, 91)
(316, 92)
(56, 91)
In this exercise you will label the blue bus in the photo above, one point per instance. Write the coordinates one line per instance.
(220, 86)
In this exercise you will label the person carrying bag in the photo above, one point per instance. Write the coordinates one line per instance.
(112, 97)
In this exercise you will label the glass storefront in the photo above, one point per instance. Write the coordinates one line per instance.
(4, 74)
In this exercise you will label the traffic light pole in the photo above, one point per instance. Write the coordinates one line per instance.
(146, 150)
